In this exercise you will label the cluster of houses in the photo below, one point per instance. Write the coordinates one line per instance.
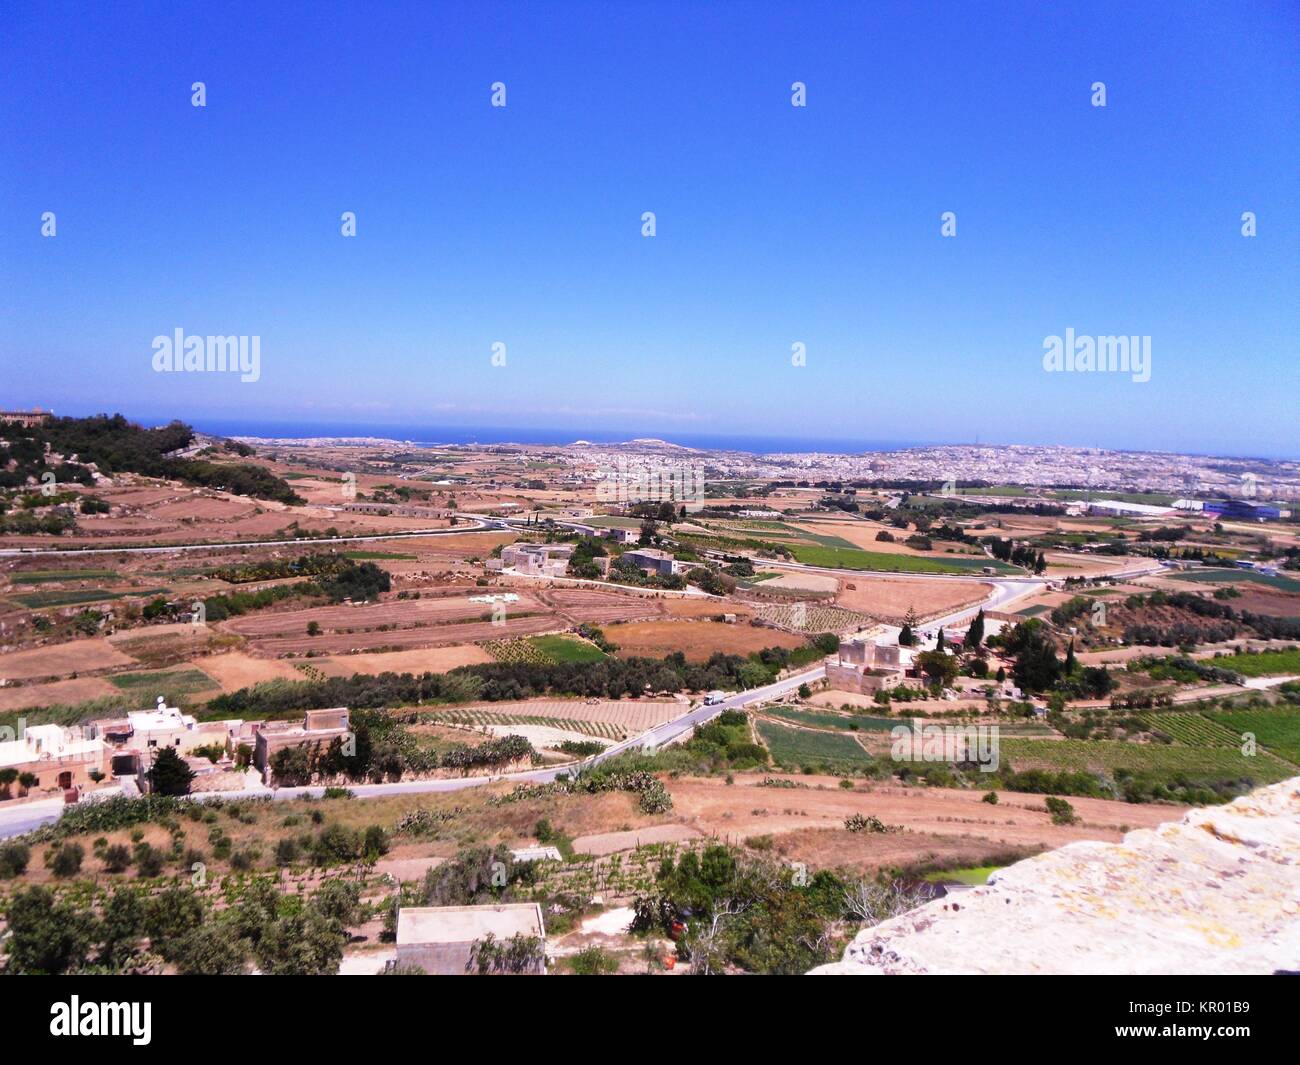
(552, 560)
(73, 760)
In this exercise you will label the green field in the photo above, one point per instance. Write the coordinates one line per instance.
(1235, 576)
(50, 576)
(975, 876)
(567, 649)
(1163, 761)
(1261, 664)
(171, 684)
(35, 600)
(843, 722)
(797, 747)
(1277, 729)
(1032, 611)
(1192, 729)
(855, 559)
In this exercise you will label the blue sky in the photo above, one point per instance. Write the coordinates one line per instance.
(776, 224)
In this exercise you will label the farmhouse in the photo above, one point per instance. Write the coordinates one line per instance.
(439, 939)
(866, 667)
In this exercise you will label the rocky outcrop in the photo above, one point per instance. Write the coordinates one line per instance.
(1217, 892)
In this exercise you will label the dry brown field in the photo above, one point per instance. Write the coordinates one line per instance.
(394, 612)
(60, 660)
(601, 607)
(60, 692)
(743, 810)
(696, 639)
(890, 598)
(401, 639)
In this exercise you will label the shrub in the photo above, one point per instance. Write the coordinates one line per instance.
(1062, 812)
(116, 858)
(991, 798)
(65, 860)
(13, 859)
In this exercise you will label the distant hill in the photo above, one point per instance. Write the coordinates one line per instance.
(115, 445)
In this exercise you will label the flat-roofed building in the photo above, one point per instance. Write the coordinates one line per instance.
(651, 560)
(317, 726)
(544, 560)
(55, 756)
(440, 939)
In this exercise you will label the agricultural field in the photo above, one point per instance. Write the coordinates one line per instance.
(795, 747)
(1261, 663)
(842, 722)
(630, 716)
(812, 618)
(53, 576)
(602, 730)
(543, 650)
(175, 685)
(1277, 729)
(567, 648)
(855, 559)
(1237, 576)
(890, 598)
(62, 660)
(1192, 729)
(1159, 760)
(696, 639)
(78, 596)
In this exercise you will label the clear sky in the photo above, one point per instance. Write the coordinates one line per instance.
(775, 224)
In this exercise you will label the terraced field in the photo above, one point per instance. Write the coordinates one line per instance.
(598, 729)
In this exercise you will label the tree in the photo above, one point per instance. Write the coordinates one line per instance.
(1040, 563)
(939, 666)
(170, 775)
(1070, 664)
(13, 859)
(940, 641)
(121, 928)
(46, 937)
(306, 943)
(975, 634)
(211, 949)
(907, 635)
(7, 777)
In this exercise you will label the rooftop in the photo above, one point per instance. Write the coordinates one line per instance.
(464, 924)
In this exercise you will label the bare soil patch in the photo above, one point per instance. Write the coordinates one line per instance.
(696, 639)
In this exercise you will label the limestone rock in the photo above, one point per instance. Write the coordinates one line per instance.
(1217, 892)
